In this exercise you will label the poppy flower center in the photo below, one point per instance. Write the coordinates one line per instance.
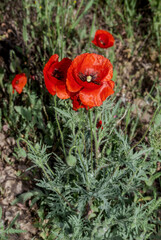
(88, 78)
(17, 82)
(102, 42)
(58, 74)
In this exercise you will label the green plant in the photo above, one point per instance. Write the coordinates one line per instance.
(6, 231)
(156, 10)
(103, 193)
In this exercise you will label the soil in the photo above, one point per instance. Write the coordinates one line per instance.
(15, 180)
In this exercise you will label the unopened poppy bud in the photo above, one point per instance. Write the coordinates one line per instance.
(71, 160)
(99, 124)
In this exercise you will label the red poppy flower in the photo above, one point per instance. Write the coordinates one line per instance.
(89, 77)
(99, 124)
(19, 82)
(77, 102)
(103, 39)
(55, 76)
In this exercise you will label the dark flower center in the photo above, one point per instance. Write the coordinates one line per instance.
(58, 74)
(17, 82)
(88, 78)
(102, 42)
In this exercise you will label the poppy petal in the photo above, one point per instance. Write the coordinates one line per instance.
(19, 82)
(77, 103)
(86, 65)
(53, 59)
(61, 91)
(50, 84)
(103, 39)
(95, 97)
(111, 83)
(55, 76)
(72, 85)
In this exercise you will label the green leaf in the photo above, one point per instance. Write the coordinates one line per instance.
(24, 33)
(26, 196)
(22, 153)
(1, 77)
(14, 231)
(65, 114)
(158, 120)
(24, 112)
(0, 212)
(13, 66)
(152, 178)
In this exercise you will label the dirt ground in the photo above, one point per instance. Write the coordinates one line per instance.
(15, 180)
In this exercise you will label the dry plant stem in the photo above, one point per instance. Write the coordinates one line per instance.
(61, 134)
(90, 121)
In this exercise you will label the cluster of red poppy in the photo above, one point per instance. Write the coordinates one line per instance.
(86, 80)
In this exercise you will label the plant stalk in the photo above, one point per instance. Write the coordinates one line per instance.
(90, 121)
(61, 134)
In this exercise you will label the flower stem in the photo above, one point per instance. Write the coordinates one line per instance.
(90, 121)
(96, 140)
(61, 134)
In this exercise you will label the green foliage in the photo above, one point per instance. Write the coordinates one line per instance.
(107, 200)
(30, 115)
(34, 194)
(6, 231)
(54, 37)
(156, 9)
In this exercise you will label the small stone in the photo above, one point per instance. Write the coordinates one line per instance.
(5, 127)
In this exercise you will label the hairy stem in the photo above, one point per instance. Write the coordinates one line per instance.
(90, 121)
(61, 134)
(96, 140)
